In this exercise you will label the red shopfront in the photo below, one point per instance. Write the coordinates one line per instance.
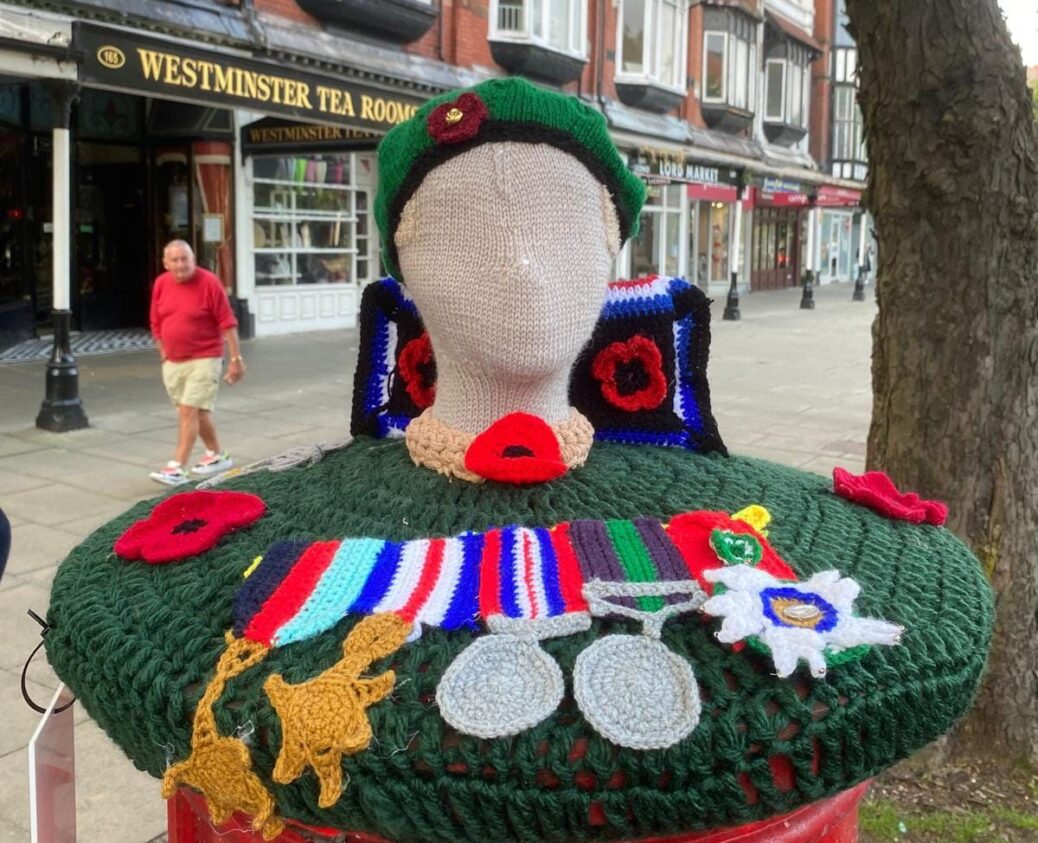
(779, 226)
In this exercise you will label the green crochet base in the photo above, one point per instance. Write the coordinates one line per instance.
(137, 644)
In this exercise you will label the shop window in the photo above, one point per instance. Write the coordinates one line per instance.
(557, 24)
(730, 61)
(310, 223)
(657, 248)
(712, 242)
(651, 40)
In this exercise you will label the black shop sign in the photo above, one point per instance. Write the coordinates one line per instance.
(135, 63)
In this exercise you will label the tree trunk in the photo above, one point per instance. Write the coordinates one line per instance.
(953, 185)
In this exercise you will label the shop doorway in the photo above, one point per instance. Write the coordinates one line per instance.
(776, 248)
(111, 278)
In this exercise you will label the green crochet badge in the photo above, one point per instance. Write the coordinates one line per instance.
(499, 110)
(736, 548)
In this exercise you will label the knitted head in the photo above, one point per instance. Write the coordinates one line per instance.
(502, 209)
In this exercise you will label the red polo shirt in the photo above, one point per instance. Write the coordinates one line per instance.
(189, 317)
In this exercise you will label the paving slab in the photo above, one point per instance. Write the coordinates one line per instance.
(38, 546)
(57, 504)
(21, 632)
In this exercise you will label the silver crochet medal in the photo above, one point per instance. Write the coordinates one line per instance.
(634, 691)
(504, 682)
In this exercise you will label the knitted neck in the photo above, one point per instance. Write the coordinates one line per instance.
(471, 395)
(435, 445)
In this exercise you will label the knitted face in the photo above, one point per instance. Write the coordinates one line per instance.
(506, 249)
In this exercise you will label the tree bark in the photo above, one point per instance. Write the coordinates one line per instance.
(953, 186)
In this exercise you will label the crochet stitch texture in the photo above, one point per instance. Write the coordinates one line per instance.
(138, 644)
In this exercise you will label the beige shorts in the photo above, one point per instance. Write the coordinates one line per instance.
(193, 383)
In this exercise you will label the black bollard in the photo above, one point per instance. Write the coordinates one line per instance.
(731, 308)
(62, 409)
(807, 300)
(859, 284)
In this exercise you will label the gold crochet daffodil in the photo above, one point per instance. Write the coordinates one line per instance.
(325, 718)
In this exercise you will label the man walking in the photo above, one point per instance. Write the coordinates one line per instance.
(190, 320)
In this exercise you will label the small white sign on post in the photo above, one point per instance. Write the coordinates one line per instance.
(52, 773)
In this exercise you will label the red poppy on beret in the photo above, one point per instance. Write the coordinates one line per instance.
(457, 121)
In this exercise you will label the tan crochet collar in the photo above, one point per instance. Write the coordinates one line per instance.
(433, 444)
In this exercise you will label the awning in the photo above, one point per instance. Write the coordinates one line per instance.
(791, 30)
(776, 197)
(829, 197)
(713, 192)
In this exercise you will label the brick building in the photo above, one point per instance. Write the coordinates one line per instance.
(248, 127)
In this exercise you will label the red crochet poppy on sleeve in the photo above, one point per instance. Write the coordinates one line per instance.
(188, 524)
(877, 491)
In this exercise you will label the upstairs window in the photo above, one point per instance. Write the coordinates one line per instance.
(729, 59)
(651, 38)
(557, 24)
(848, 153)
(787, 92)
(775, 91)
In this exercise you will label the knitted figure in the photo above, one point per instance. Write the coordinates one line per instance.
(468, 624)
(495, 204)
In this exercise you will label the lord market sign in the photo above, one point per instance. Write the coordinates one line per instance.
(138, 64)
(659, 164)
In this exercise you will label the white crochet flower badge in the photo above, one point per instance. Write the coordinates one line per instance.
(807, 620)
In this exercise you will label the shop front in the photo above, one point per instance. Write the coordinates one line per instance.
(687, 224)
(779, 227)
(265, 169)
(298, 236)
(839, 235)
(313, 241)
(140, 176)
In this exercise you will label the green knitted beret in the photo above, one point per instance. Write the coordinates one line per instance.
(509, 109)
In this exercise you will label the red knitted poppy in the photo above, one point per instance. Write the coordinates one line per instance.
(457, 121)
(877, 491)
(631, 374)
(413, 364)
(187, 525)
(517, 448)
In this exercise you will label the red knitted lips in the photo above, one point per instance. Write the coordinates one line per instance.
(453, 122)
(877, 491)
(187, 525)
(631, 374)
(414, 364)
(517, 448)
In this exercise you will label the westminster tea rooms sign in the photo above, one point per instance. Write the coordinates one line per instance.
(139, 64)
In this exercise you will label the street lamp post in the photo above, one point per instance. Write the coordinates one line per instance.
(731, 308)
(807, 299)
(859, 284)
(62, 409)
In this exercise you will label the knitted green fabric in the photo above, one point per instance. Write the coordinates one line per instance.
(519, 111)
(137, 644)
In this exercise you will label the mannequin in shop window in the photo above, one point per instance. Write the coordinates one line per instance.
(191, 320)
